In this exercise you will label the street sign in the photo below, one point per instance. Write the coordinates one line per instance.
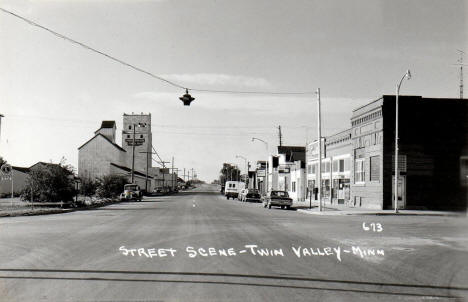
(6, 169)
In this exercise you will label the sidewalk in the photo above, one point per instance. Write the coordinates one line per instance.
(336, 210)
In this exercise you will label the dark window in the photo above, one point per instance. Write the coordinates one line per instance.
(141, 136)
(342, 165)
(128, 135)
(130, 127)
(275, 161)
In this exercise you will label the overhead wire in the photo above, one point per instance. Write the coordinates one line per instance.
(113, 58)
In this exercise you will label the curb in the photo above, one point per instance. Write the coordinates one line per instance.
(59, 211)
(340, 213)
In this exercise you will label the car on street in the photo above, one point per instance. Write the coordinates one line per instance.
(251, 195)
(277, 198)
(131, 192)
(232, 189)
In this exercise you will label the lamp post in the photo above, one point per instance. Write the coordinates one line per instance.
(246, 169)
(268, 155)
(319, 168)
(407, 76)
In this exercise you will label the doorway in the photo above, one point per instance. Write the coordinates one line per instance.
(401, 192)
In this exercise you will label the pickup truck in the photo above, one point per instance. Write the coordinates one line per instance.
(277, 198)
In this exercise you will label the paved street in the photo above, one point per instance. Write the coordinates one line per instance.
(87, 255)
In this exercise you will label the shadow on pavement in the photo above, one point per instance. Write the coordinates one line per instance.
(382, 287)
(234, 283)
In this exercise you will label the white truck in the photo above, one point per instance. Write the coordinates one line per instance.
(232, 188)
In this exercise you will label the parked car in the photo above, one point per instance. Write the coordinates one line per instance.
(242, 194)
(277, 198)
(251, 195)
(131, 192)
(232, 189)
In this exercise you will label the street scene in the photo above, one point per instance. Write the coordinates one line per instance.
(198, 246)
(175, 150)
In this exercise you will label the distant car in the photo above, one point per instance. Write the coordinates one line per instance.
(131, 192)
(277, 198)
(241, 194)
(252, 195)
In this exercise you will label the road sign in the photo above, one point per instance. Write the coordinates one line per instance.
(6, 169)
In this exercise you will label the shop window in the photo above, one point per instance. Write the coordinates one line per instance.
(359, 173)
(335, 165)
(347, 164)
(326, 188)
(341, 165)
(325, 167)
(375, 168)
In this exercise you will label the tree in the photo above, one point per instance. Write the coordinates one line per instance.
(88, 187)
(110, 186)
(2, 161)
(229, 172)
(50, 183)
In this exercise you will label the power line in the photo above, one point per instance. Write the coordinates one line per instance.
(73, 41)
(253, 92)
(30, 22)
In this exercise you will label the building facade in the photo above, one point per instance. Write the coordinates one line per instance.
(358, 164)
(101, 155)
(433, 147)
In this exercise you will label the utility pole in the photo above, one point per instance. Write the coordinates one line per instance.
(184, 174)
(147, 167)
(1, 115)
(280, 136)
(172, 175)
(133, 154)
(319, 170)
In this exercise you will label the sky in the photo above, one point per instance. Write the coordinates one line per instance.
(54, 94)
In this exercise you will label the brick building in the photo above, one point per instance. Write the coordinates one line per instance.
(433, 152)
(336, 168)
(358, 164)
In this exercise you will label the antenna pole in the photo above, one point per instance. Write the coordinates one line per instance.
(460, 62)
(280, 136)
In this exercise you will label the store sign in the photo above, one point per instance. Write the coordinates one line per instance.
(313, 150)
(138, 141)
(261, 173)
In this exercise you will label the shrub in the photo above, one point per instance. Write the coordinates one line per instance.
(50, 183)
(88, 187)
(110, 186)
